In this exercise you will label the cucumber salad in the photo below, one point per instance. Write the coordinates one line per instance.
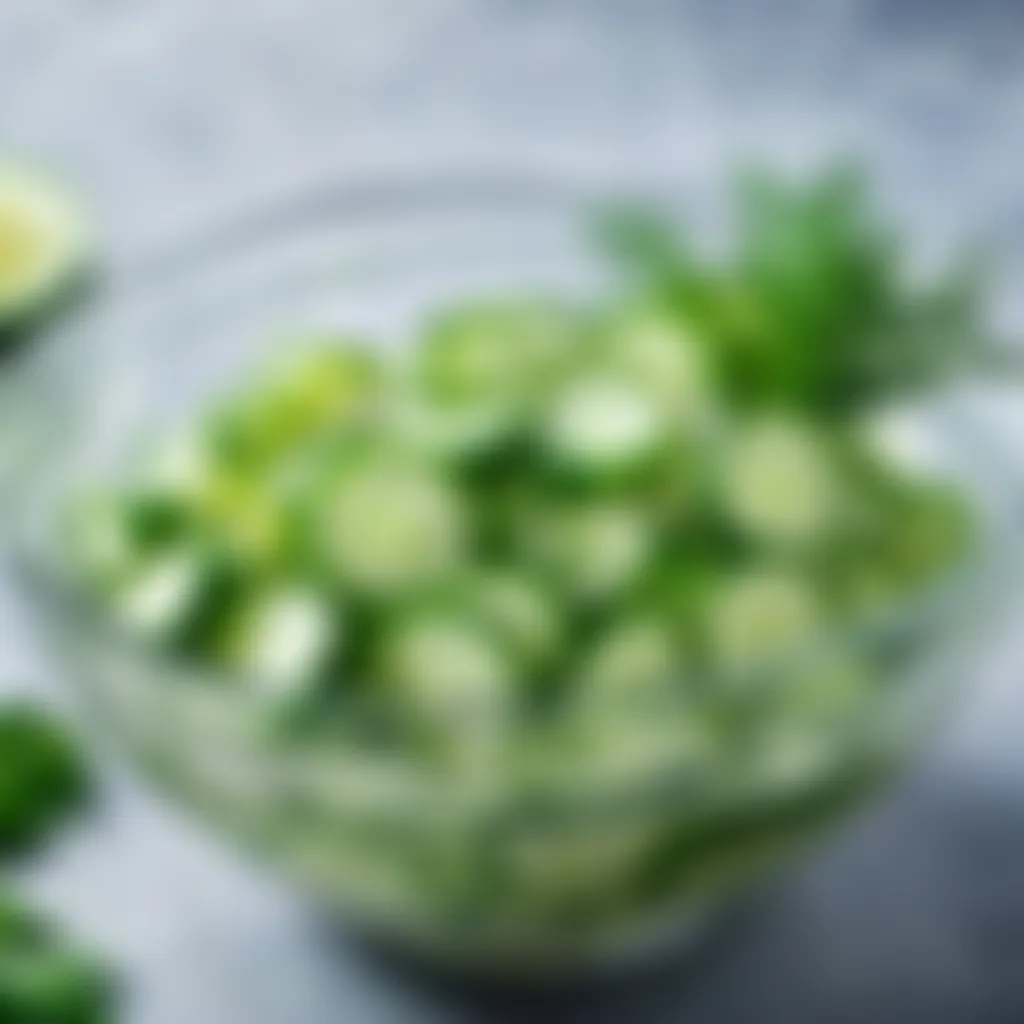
(559, 547)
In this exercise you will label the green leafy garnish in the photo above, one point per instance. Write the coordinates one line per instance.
(41, 775)
(43, 978)
(815, 305)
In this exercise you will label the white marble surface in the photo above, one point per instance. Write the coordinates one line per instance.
(174, 114)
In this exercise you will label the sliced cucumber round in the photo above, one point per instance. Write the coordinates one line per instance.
(110, 536)
(480, 373)
(521, 611)
(166, 596)
(447, 668)
(604, 425)
(758, 616)
(633, 660)
(827, 693)
(607, 750)
(663, 356)
(323, 387)
(455, 433)
(220, 496)
(101, 544)
(779, 485)
(592, 551)
(44, 245)
(929, 527)
(282, 639)
(182, 465)
(500, 351)
(391, 524)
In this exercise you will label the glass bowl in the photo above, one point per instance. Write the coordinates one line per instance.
(562, 857)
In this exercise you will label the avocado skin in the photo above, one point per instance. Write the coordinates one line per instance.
(19, 329)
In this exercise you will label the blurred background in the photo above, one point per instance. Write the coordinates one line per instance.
(178, 117)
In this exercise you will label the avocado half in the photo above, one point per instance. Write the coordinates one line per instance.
(45, 248)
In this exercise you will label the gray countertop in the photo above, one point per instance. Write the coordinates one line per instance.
(175, 115)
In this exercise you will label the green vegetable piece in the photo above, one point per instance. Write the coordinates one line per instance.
(391, 523)
(44, 247)
(499, 352)
(522, 612)
(330, 384)
(282, 639)
(456, 433)
(480, 372)
(166, 598)
(930, 530)
(634, 660)
(108, 535)
(604, 426)
(43, 979)
(664, 356)
(758, 616)
(779, 486)
(42, 777)
(593, 551)
(447, 668)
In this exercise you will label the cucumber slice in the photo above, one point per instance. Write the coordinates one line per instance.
(110, 535)
(283, 639)
(391, 524)
(166, 596)
(663, 356)
(929, 528)
(101, 543)
(495, 352)
(182, 465)
(480, 373)
(827, 693)
(634, 660)
(44, 242)
(521, 612)
(606, 752)
(758, 616)
(447, 669)
(453, 433)
(220, 497)
(604, 426)
(815, 721)
(551, 867)
(324, 388)
(778, 484)
(591, 551)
